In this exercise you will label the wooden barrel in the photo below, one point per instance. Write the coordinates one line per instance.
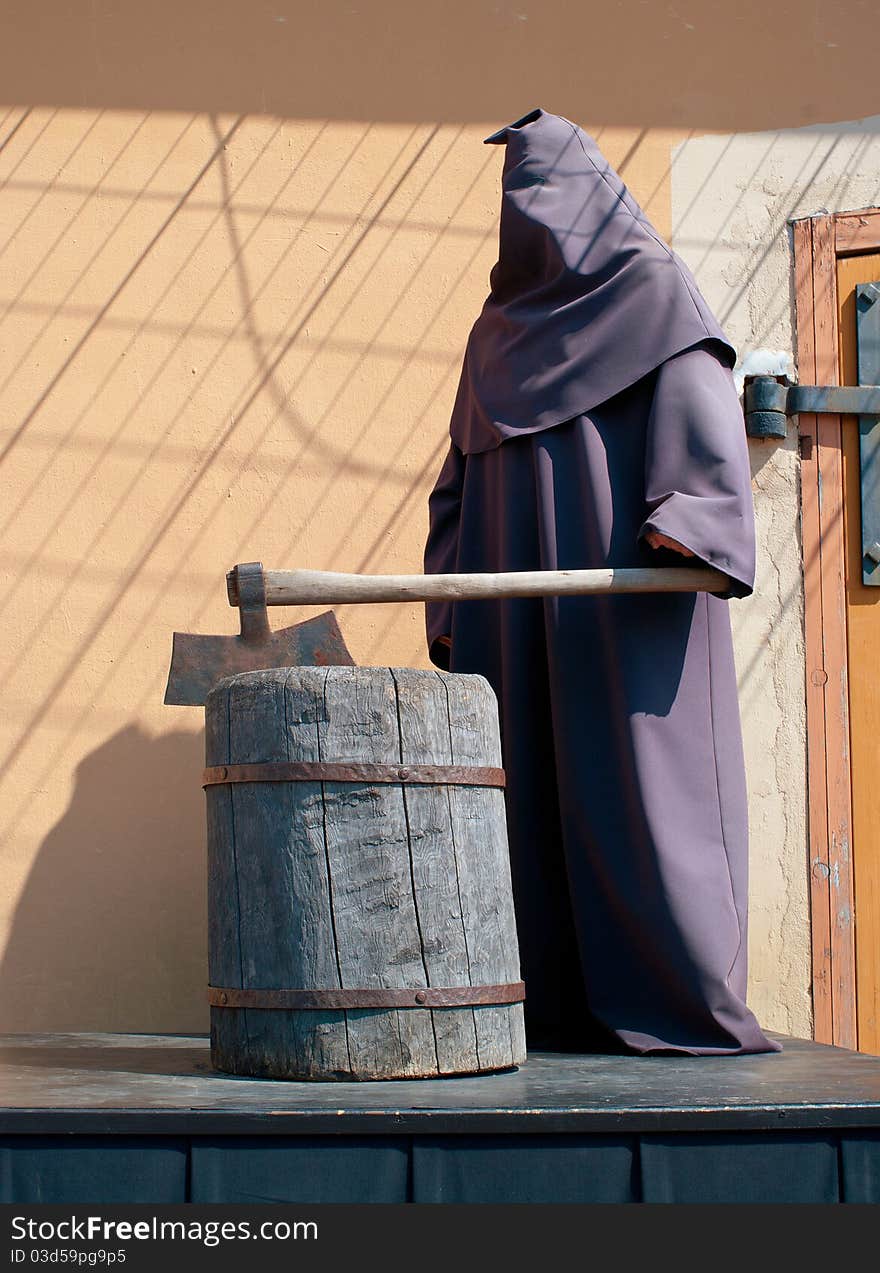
(360, 915)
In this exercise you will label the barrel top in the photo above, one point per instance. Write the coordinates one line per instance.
(315, 675)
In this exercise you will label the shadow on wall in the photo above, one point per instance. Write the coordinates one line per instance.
(110, 931)
(397, 61)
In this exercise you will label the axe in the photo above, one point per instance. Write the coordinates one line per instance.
(198, 662)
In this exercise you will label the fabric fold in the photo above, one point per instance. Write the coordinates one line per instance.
(697, 478)
(441, 553)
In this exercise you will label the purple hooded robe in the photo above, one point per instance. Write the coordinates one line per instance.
(596, 403)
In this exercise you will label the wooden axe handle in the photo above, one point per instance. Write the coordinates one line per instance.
(326, 587)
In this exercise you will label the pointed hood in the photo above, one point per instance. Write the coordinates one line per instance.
(586, 297)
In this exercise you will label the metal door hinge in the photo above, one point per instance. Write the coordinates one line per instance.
(771, 400)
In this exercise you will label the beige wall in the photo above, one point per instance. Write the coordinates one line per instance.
(703, 64)
(239, 257)
(224, 342)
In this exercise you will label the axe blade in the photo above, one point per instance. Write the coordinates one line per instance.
(199, 662)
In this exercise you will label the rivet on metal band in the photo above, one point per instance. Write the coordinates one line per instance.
(366, 997)
(350, 771)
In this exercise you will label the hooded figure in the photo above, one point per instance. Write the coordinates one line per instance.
(597, 424)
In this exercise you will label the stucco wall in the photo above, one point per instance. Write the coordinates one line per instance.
(733, 197)
(225, 340)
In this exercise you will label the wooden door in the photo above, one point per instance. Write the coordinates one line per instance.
(863, 657)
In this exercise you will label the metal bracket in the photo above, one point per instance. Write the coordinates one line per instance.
(770, 400)
(868, 349)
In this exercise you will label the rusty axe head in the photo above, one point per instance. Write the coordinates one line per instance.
(199, 662)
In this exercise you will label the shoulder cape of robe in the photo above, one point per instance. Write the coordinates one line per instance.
(597, 403)
(586, 297)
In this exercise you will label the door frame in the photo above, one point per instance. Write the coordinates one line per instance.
(818, 241)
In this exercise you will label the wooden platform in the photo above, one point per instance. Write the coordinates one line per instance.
(144, 1118)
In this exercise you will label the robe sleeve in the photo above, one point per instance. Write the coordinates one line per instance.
(697, 478)
(441, 550)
